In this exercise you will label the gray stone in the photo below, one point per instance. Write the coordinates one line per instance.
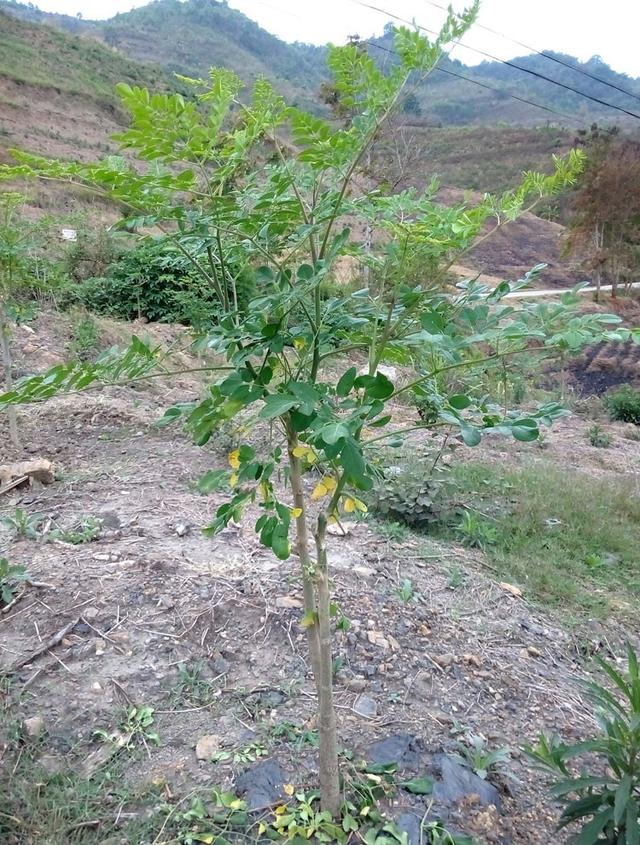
(456, 781)
(410, 824)
(261, 785)
(366, 707)
(33, 726)
(207, 746)
(404, 749)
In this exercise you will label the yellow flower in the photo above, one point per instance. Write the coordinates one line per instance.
(296, 512)
(234, 459)
(233, 479)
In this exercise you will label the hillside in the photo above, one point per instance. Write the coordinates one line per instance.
(190, 36)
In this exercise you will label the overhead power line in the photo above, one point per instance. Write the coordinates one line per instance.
(500, 91)
(502, 61)
(544, 54)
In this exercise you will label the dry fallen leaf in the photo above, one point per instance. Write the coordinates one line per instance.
(512, 589)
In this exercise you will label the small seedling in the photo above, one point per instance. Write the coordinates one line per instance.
(484, 762)
(245, 754)
(10, 574)
(456, 578)
(192, 687)
(406, 593)
(476, 532)
(134, 728)
(598, 437)
(290, 732)
(84, 531)
(23, 524)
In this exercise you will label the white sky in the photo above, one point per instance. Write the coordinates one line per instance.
(582, 28)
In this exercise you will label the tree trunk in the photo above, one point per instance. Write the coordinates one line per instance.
(317, 607)
(327, 728)
(8, 379)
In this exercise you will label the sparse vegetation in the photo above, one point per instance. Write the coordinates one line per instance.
(546, 525)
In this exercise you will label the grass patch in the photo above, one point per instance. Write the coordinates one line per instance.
(571, 541)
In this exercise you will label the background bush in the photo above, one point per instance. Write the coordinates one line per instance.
(156, 282)
(624, 404)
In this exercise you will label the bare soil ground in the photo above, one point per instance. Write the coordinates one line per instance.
(152, 593)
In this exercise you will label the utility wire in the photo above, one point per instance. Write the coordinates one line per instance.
(543, 53)
(501, 91)
(502, 61)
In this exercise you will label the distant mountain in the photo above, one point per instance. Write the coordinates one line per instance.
(189, 36)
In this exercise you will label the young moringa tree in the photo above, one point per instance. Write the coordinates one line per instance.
(16, 245)
(219, 182)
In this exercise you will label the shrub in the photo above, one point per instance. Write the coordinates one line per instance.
(604, 797)
(623, 404)
(156, 282)
(598, 437)
(415, 492)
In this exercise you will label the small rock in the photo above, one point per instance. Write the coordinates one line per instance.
(377, 638)
(356, 684)
(405, 750)
(289, 602)
(95, 687)
(472, 660)
(90, 613)
(207, 746)
(366, 707)
(261, 785)
(166, 602)
(444, 660)
(532, 651)
(339, 529)
(220, 665)
(457, 781)
(182, 529)
(442, 717)
(410, 824)
(33, 726)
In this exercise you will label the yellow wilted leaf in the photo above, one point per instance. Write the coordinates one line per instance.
(296, 512)
(234, 459)
(305, 452)
(264, 489)
(360, 506)
(261, 828)
(279, 811)
(319, 491)
(299, 343)
(289, 789)
(233, 479)
(330, 483)
(349, 505)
